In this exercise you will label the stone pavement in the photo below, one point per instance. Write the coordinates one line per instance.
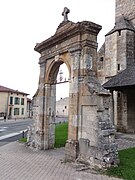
(18, 162)
(125, 141)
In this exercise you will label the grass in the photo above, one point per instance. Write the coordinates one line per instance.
(23, 139)
(61, 133)
(126, 168)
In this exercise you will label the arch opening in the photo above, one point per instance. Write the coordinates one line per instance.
(59, 101)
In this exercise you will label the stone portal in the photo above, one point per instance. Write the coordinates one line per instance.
(90, 128)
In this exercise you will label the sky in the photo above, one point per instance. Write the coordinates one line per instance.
(27, 22)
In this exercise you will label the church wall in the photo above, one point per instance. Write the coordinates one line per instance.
(121, 50)
(110, 65)
(130, 43)
(122, 111)
(131, 112)
(100, 64)
(126, 8)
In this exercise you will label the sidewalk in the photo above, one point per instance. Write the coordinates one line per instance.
(2, 121)
(18, 162)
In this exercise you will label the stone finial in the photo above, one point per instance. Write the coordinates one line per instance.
(65, 14)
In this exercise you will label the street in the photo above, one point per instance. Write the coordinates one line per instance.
(11, 130)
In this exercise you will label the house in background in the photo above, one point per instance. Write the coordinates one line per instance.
(13, 104)
(29, 108)
(62, 107)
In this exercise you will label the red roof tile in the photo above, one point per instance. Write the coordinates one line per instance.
(5, 89)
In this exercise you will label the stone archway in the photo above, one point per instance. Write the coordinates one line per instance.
(91, 132)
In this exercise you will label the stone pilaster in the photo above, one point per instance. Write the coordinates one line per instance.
(103, 153)
(71, 148)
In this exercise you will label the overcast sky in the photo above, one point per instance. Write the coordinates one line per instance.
(23, 23)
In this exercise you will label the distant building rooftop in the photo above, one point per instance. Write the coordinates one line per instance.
(121, 24)
(5, 89)
(124, 79)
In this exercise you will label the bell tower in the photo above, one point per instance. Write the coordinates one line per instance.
(125, 8)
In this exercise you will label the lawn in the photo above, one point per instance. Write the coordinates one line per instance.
(126, 168)
(23, 139)
(61, 133)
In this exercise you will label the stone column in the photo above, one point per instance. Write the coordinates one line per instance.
(49, 115)
(72, 142)
(37, 139)
(39, 131)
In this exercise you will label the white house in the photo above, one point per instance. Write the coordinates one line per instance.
(13, 103)
(62, 107)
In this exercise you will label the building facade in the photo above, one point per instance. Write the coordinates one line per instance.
(116, 65)
(13, 103)
(62, 107)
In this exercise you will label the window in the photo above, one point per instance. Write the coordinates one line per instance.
(22, 101)
(17, 100)
(16, 111)
(22, 111)
(119, 94)
(11, 100)
(100, 63)
(119, 31)
(101, 58)
(118, 67)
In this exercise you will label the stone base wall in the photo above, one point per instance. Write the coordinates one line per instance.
(98, 151)
(71, 150)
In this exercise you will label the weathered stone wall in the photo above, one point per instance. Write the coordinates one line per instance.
(96, 131)
(126, 8)
(121, 50)
(110, 65)
(90, 114)
(126, 111)
(131, 111)
(100, 64)
(119, 53)
(121, 112)
(130, 47)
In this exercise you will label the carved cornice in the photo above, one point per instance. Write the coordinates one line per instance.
(63, 34)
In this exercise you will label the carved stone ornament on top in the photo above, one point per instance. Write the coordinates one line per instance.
(65, 14)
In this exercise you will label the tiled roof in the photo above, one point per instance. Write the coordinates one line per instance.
(121, 24)
(5, 89)
(126, 78)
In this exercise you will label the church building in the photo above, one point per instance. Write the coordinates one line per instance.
(116, 65)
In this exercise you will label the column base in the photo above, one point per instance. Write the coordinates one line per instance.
(71, 150)
(96, 157)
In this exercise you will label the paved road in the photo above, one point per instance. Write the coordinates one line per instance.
(10, 139)
(12, 126)
(11, 130)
